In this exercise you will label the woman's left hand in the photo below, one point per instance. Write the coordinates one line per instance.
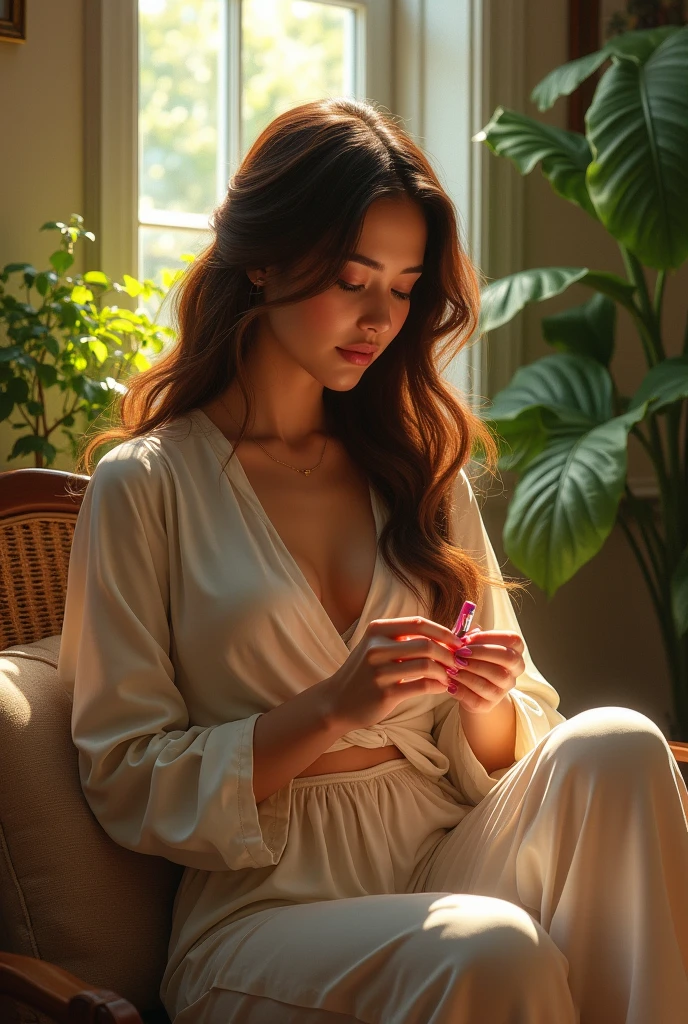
(495, 661)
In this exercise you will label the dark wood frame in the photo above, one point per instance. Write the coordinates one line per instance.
(584, 38)
(13, 29)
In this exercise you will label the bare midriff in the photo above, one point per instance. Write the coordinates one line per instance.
(353, 759)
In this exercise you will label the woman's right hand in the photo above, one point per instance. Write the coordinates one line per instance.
(394, 660)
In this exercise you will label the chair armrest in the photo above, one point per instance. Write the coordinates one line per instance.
(61, 995)
(679, 750)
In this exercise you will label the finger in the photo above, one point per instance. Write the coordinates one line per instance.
(402, 651)
(491, 656)
(505, 638)
(481, 686)
(470, 699)
(412, 669)
(414, 626)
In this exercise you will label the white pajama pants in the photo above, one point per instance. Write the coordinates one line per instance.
(561, 897)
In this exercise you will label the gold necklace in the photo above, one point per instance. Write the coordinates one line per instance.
(304, 471)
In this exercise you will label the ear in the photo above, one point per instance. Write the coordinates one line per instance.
(257, 277)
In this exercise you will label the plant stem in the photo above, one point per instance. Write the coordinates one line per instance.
(653, 542)
(644, 317)
(659, 295)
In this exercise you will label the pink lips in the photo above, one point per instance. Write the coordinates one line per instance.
(358, 358)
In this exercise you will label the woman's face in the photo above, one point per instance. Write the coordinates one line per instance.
(368, 304)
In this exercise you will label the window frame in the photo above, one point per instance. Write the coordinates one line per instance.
(111, 158)
(408, 75)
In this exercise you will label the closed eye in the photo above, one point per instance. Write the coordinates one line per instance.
(403, 296)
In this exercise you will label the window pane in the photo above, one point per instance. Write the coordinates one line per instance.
(161, 249)
(292, 51)
(178, 104)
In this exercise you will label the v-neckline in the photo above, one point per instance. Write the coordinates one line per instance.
(238, 476)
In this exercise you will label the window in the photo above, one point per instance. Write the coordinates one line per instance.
(158, 157)
(212, 75)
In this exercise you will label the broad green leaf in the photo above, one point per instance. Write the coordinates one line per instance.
(665, 383)
(81, 294)
(520, 439)
(565, 504)
(679, 594)
(120, 324)
(13, 268)
(637, 126)
(586, 330)
(170, 277)
(131, 285)
(69, 313)
(575, 388)
(501, 300)
(140, 361)
(45, 280)
(46, 373)
(97, 277)
(638, 46)
(563, 155)
(99, 349)
(564, 80)
(32, 443)
(61, 260)
(125, 314)
(10, 353)
(18, 389)
(6, 405)
(52, 345)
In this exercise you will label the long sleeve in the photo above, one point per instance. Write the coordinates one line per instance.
(156, 783)
(534, 698)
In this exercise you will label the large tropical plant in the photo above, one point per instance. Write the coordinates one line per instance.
(563, 423)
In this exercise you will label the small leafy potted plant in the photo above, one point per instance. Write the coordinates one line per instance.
(563, 423)
(57, 335)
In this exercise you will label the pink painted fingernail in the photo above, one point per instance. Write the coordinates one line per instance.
(452, 671)
(459, 660)
(452, 688)
(466, 651)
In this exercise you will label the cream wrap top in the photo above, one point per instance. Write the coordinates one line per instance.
(186, 618)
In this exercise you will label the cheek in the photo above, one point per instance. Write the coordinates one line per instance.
(323, 318)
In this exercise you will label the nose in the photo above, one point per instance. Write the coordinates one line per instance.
(376, 318)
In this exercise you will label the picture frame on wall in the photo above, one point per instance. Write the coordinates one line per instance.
(592, 23)
(12, 21)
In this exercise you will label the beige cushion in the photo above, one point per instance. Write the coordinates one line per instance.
(68, 893)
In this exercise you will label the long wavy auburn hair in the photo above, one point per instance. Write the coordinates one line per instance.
(297, 202)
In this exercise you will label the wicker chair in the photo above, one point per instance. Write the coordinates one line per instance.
(124, 899)
(73, 903)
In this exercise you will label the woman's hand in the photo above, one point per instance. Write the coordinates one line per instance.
(395, 659)
(494, 661)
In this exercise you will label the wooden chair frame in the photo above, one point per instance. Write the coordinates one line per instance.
(37, 983)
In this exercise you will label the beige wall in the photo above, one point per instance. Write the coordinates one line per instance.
(596, 641)
(41, 173)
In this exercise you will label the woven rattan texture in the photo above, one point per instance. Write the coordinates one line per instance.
(34, 561)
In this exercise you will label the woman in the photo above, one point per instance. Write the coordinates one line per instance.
(263, 577)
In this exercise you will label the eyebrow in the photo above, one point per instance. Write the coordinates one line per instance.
(358, 257)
